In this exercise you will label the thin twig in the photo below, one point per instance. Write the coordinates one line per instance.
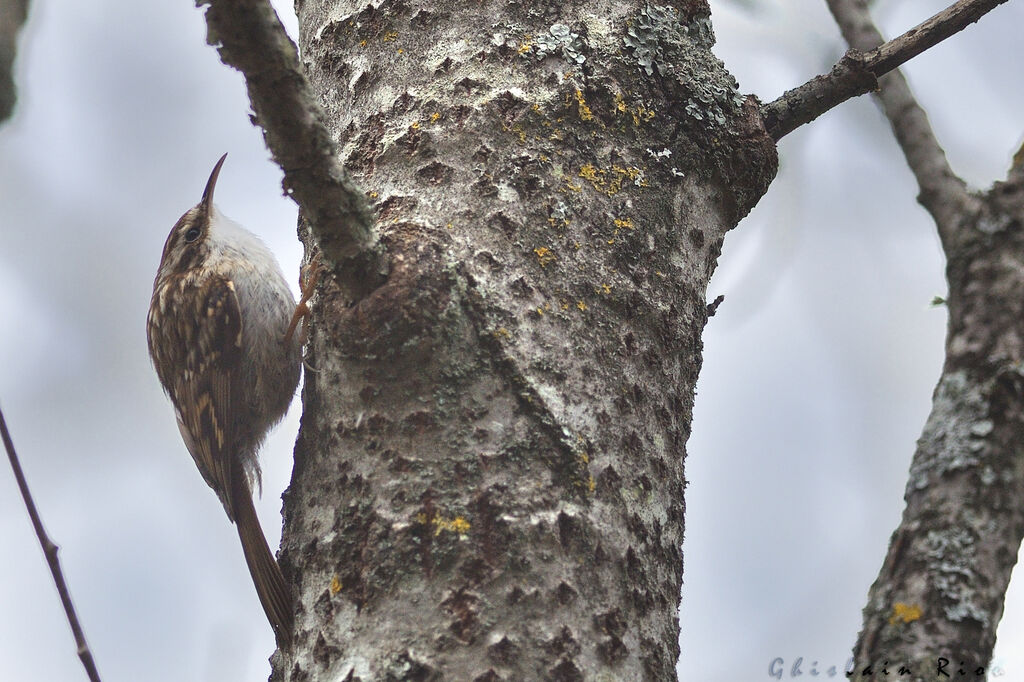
(857, 72)
(942, 192)
(50, 550)
(249, 37)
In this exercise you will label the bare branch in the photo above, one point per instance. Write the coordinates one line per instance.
(50, 550)
(942, 193)
(249, 37)
(857, 72)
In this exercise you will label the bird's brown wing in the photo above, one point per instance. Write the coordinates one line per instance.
(200, 361)
(198, 364)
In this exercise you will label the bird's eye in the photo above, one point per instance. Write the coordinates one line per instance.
(192, 234)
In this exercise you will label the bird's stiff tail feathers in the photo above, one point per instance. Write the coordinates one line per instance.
(266, 574)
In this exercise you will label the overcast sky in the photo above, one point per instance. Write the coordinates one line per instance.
(817, 376)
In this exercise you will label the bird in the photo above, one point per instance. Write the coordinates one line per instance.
(220, 336)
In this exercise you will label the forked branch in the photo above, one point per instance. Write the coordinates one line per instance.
(942, 192)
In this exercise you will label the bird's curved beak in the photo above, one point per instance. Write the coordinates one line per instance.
(206, 203)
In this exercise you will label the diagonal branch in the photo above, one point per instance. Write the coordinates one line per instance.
(50, 550)
(249, 37)
(857, 72)
(942, 193)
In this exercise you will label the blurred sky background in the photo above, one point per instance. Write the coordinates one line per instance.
(817, 377)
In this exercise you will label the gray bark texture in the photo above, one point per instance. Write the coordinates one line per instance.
(941, 588)
(12, 16)
(940, 591)
(489, 478)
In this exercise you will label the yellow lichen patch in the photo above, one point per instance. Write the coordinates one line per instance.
(581, 305)
(610, 181)
(502, 333)
(415, 125)
(544, 256)
(582, 452)
(362, 43)
(605, 289)
(594, 175)
(389, 36)
(906, 613)
(583, 457)
(632, 173)
(457, 525)
(620, 223)
(639, 114)
(584, 109)
(516, 130)
(572, 187)
(434, 117)
(374, 195)
(335, 584)
(642, 114)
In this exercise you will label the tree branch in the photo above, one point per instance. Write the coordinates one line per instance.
(249, 37)
(942, 193)
(943, 583)
(50, 550)
(857, 72)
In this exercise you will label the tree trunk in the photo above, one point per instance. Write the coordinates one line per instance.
(489, 480)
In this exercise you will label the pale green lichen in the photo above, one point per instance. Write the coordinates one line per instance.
(956, 435)
(559, 39)
(951, 554)
(656, 29)
(659, 41)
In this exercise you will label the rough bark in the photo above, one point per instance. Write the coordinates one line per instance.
(940, 592)
(941, 588)
(12, 16)
(489, 475)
